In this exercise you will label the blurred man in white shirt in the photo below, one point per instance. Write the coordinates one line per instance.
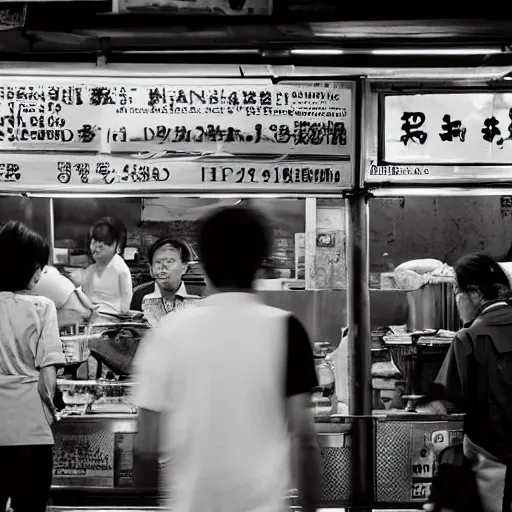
(224, 389)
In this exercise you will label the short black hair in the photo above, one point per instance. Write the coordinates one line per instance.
(109, 231)
(22, 252)
(479, 272)
(233, 242)
(180, 246)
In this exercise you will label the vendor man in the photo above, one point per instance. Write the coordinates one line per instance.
(168, 262)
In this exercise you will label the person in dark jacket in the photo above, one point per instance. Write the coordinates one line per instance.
(476, 375)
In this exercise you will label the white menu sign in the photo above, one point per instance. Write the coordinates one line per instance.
(448, 128)
(80, 172)
(121, 115)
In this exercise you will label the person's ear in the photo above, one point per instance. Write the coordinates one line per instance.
(35, 278)
(184, 268)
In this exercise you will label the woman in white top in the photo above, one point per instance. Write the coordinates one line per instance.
(108, 281)
(30, 348)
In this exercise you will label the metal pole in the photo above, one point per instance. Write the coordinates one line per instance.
(358, 308)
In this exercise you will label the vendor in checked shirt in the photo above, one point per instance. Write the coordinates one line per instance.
(168, 260)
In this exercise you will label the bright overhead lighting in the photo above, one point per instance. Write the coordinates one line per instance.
(317, 51)
(437, 51)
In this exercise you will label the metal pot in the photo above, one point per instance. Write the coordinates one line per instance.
(432, 307)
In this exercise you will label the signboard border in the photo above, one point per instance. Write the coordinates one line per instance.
(349, 83)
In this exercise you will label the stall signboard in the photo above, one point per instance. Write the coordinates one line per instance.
(72, 172)
(445, 138)
(425, 449)
(224, 116)
(198, 7)
(84, 460)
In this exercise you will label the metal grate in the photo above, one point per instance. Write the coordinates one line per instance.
(337, 476)
(393, 438)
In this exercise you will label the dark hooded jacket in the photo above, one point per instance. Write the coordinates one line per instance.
(476, 376)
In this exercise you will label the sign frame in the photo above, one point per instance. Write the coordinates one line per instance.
(437, 173)
(383, 160)
(317, 186)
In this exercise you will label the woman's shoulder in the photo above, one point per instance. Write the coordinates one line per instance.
(119, 264)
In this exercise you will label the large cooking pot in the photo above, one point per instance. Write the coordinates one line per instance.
(432, 307)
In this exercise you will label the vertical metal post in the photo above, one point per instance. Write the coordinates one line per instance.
(358, 308)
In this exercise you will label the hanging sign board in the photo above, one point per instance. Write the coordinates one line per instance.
(461, 128)
(447, 137)
(128, 115)
(197, 7)
(65, 172)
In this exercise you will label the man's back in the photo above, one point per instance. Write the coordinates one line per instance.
(221, 374)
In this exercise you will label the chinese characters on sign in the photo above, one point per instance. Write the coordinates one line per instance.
(466, 128)
(68, 115)
(61, 171)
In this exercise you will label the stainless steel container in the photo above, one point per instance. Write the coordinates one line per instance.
(432, 307)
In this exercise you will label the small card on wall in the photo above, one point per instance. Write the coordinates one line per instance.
(326, 240)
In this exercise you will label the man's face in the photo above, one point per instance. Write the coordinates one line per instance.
(167, 268)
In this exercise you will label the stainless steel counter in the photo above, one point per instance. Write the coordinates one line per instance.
(94, 459)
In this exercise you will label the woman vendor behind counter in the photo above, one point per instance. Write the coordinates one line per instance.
(108, 281)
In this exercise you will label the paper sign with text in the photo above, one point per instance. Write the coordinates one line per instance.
(61, 172)
(250, 117)
(448, 129)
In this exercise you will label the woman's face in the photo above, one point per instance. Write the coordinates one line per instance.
(101, 251)
(467, 304)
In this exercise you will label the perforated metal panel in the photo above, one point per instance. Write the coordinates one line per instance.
(393, 456)
(337, 469)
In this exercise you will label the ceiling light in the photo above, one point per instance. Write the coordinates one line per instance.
(317, 51)
(437, 51)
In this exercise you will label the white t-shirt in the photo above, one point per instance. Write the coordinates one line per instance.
(29, 340)
(219, 373)
(112, 289)
(55, 286)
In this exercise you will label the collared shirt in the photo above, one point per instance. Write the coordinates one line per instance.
(30, 340)
(219, 374)
(155, 306)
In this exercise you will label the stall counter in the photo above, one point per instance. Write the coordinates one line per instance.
(93, 457)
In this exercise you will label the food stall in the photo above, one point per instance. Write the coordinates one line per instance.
(116, 135)
(438, 160)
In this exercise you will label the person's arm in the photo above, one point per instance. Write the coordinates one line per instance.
(125, 286)
(48, 354)
(151, 393)
(301, 378)
(451, 384)
(46, 387)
